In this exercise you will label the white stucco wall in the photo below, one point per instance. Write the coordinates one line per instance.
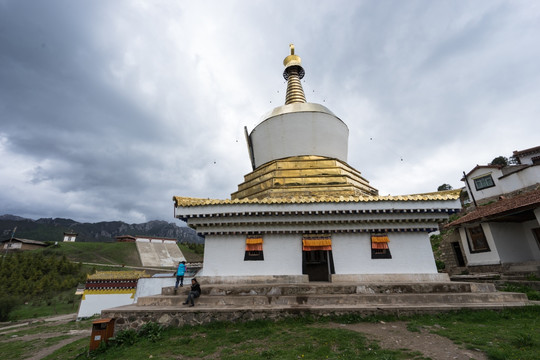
(484, 258)
(153, 240)
(93, 304)
(411, 251)
(411, 254)
(152, 286)
(529, 236)
(302, 133)
(225, 256)
(511, 241)
(488, 192)
(521, 179)
(12, 245)
(514, 181)
(527, 159)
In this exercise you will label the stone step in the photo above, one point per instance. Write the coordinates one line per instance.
(333, 288)
(132, 316)
(232, 301)
(526, 267)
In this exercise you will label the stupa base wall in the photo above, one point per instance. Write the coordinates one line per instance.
(390, 278)
(254, 279)
(345, 278)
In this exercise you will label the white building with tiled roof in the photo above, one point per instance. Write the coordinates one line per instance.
(503, 226)
(304, 214)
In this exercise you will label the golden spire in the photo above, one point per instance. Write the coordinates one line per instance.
(293, 74)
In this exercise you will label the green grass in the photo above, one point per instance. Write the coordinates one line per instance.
(13, 348)
(508, 334)
(65, 302)
(288, 339)
(43, 327)
(16, 349)
(189, 254)
(527, 290)
(76, 349)
(120, 253)
(29, 311)
(117, 253)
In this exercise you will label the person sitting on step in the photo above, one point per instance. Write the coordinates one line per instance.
(194, 293)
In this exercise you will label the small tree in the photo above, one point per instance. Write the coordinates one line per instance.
(499, 160)
(513, 160)
(444, 187)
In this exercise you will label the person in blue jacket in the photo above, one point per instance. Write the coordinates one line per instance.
(180, 274)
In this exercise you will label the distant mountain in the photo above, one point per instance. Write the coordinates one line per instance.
(48, 229)
(11, 217)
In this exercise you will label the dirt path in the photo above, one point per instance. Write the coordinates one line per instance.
(74, 334)
(49, 350)
(394, 335)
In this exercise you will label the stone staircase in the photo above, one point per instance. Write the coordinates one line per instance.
(522, 270)
(226, 302)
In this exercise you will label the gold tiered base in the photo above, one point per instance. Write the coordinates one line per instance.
(303, 176)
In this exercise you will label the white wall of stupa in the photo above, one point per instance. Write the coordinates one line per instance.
(299, 129)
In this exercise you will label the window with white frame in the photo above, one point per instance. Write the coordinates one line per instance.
(484, 182)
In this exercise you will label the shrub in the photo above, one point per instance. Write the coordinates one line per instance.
(124, 337)
(523, 340)
(7, 304)
(527, 290)
(440, 264)
(151, 331)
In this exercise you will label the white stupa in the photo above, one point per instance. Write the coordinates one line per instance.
(304, 214)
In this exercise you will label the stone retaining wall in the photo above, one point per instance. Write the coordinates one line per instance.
(135, 319)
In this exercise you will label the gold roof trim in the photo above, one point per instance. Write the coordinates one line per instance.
(180, 201)
(117, 275)
(304, 176)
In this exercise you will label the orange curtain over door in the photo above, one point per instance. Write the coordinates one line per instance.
(316, 243)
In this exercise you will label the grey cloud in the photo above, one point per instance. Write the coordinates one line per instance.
(110, 108)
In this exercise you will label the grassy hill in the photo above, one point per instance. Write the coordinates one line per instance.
(122, 253)
(118, 253)
(60, 298)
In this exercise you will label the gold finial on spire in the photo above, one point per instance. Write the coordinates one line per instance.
(293, 74)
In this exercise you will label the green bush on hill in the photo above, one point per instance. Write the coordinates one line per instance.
(32, 273)
(32, 276)
(196, 248)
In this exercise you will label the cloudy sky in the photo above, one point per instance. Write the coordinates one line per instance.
(109, 108)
